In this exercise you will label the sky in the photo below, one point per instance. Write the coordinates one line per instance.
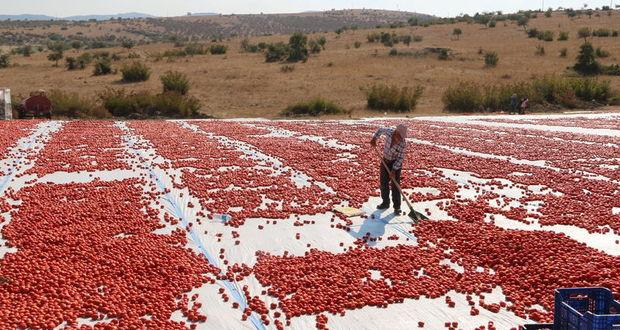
(62, 8)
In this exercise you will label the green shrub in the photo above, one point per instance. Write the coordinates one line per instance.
(5, 60)
(298, 50)
(463, 97)
(549, 13)
(246, 46)
(563, 36)
(315, 107)
(357, 44)
(174, 81)
(175, 105)
(589, 89)
(555, 90)
(389, 39)
(174, 53)
(546, 36)
(491, 59)
(492, 24)
(276, 52)
(533, 33)
(393, 98)
(457, 33)
(218, 49)
(614, 33)
(195, 49)
(563, 52)
(103, 66)
(406, 39)
(71, 63)
(374, 37)
(612, 70)
(393, 52)
(25, 51)
(418, 38)
(584, 33)
(84, 59)
(76, 44)
(586, 61)
(128, 43)
(570, 12)
(101, 54)
(603, 33)
(135, 72)
(314, 47)
(540, 50)
(71, 105)
(443, 54)
(601, 53)
(143, 105)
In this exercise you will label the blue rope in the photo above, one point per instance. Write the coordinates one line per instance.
(179, 213)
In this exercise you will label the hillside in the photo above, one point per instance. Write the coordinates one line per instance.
(31, 17)
(197, 26)
(242, 84)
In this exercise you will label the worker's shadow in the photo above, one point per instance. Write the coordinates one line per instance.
(374, 224)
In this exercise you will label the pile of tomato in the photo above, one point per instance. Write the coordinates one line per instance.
(82, 146)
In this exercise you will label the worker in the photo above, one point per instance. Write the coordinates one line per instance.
(514, 103)
(524, 105)
(393, 157)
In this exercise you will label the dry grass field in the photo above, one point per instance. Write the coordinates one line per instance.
(241, 84)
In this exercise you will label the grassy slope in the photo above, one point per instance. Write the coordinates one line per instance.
(242, 85)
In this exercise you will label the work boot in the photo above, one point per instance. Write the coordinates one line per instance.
(383, 206)
(397, 212)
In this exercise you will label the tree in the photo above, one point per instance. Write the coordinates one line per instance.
(56, 56)
(549, 13)
(71, 63)
(523, 21)
(457, 33)
(298, 47)
(584, 33)
(413, 21)
(586, 61)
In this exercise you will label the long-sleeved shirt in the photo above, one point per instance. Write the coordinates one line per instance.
(391, 152)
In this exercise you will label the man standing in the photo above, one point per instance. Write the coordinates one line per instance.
(393, 156)
(514, 103)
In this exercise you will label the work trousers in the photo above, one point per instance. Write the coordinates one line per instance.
(387, 185)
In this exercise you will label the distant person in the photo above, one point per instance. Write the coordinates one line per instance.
(524, 105)
(514, 103)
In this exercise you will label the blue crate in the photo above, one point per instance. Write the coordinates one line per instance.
(583, 309)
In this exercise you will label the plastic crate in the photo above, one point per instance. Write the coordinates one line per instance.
(583, 309)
